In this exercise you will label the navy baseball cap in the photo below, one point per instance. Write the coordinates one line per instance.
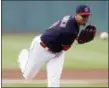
(83, 10)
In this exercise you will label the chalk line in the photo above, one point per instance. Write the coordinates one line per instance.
(62, 81)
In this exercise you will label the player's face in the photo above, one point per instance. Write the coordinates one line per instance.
(82, 19)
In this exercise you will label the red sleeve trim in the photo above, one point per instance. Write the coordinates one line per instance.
(66, 47)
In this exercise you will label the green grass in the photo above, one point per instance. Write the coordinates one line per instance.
(62, 85)
(93, 55)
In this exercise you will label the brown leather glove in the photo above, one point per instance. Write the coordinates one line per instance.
(87, 34)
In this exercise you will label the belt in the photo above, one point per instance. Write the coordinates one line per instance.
(44, 46)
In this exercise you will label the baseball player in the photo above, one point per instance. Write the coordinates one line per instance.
(49, 47)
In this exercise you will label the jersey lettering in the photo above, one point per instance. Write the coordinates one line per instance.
(64, 21)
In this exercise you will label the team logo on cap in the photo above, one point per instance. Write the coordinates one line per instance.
(86, 9)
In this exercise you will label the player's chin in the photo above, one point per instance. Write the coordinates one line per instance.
(82, 23)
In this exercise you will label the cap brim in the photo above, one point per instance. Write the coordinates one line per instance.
(84, 13)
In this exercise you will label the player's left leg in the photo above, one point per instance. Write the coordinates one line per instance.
(54, 70)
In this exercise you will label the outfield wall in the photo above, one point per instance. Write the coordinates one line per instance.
(36, 16)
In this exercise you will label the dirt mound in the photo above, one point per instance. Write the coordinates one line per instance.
(66, 74)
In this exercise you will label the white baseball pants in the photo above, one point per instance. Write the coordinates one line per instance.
(31, 60)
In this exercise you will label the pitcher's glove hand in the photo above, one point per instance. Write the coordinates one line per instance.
(87, 34)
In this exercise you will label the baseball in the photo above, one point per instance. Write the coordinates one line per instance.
(104, 35)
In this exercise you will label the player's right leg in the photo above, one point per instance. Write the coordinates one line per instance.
(37, 56)
(32, 59)
(22, 59)
(23, 55)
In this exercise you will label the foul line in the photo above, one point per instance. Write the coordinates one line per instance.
(62, 81)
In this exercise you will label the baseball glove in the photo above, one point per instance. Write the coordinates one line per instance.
(87, 34)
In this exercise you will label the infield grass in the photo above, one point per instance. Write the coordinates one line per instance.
(62, 85)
